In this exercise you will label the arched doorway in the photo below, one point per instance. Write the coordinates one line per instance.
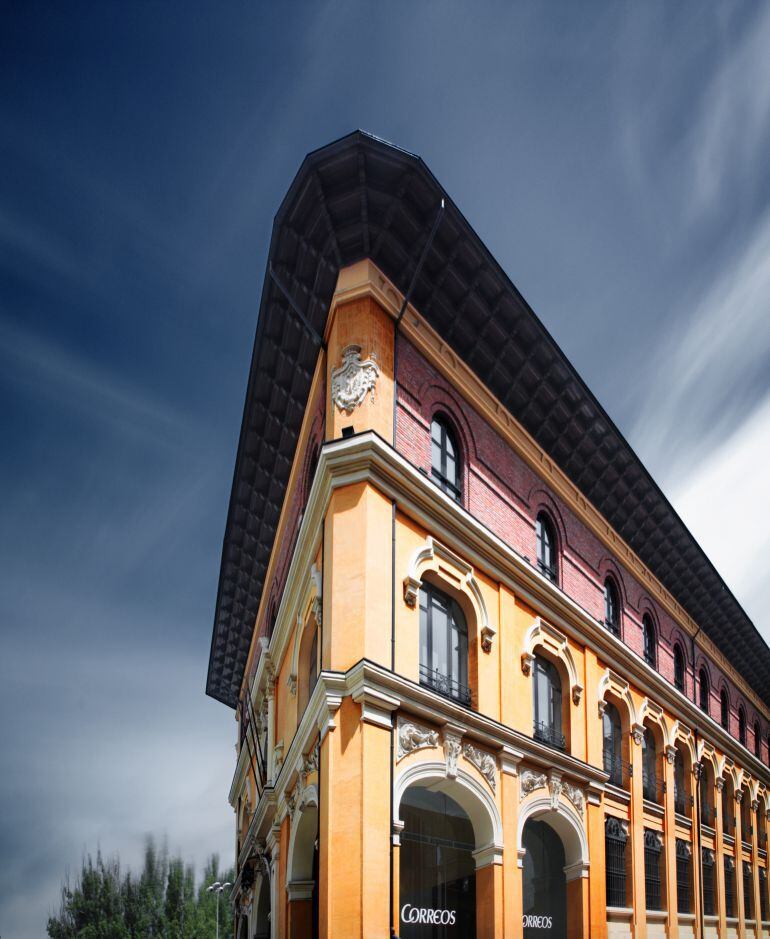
(262, 916)
(302, 870)
(544, 883)
(437, 868)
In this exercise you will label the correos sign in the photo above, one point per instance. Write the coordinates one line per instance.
(422, 914)
(531, 921)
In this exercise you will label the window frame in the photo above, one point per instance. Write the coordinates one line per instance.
(703, 702)
(548, 728)
(742, 726)
(544, 525)
(680, 668)
(612, 606)
(448, 437)
(650, 641)
(724, 708)
(443, 681)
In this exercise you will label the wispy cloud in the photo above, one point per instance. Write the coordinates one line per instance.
(73, 380)
(711, 364)
(721, 498)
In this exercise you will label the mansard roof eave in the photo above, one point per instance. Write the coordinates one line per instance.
(333, 187)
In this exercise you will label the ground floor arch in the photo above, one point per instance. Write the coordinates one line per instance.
(553, 852)
(302, 872)
(262, 908)
(449, 844)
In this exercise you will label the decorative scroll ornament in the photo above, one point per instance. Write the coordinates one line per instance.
(452, 749)
(483, 761)
(637, 732)
(670, 755)
(720, 784)
(739, 796)
(575, 796)
(412, 737)
(530, 780)
(354, 379)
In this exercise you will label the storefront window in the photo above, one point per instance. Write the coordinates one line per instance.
(437, 869)
(544, 884)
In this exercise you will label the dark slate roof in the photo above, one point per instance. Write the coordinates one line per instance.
(362, 197)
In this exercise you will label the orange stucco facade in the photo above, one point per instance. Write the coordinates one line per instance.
(336, 725)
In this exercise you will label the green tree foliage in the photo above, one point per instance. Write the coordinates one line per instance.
(161, 903)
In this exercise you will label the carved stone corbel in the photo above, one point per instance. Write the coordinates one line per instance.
(452, 748)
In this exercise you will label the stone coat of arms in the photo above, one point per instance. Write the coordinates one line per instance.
(354, 379)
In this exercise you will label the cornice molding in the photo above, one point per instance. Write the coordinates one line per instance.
(365, 279)
(366, 457)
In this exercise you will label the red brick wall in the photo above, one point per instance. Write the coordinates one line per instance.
(505, 495)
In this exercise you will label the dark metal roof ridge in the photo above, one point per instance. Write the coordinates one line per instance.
(333, 236)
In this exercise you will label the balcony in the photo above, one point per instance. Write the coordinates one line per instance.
(548, 734)
(444, 685)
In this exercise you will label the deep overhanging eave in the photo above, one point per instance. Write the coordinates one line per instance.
(362, 197)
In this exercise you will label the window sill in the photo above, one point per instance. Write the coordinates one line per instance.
(683, 821)
(619, 795)
(729, 840)
(656, 916)
(708, 830)
(686, 917)
(653, 809)
(619, 914)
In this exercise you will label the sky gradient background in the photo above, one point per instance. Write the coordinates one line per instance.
(614, 158)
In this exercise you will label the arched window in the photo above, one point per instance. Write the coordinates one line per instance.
(724, 709)
(728, 806)
(612, 744)
(312, 665)
(680, 784)
(678, 667)
(548, 704)
(546, 547)
(611, 607)
(649, 766)
(703, 690)
(443, 645)
(757, 740)
(445, 457)
(650, 641)
(706, 794)
(742, 725)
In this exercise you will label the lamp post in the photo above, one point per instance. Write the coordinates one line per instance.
(217, 888)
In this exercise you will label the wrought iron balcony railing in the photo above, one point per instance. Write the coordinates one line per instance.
(445, 685)
(547, 733)
(620, 771)
(653, 787)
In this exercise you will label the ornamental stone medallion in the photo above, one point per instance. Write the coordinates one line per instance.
(354, 379)
(413, 737)
(483, 761)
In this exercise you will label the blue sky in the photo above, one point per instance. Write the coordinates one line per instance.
(612, 156)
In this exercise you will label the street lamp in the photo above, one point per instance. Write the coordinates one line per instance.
(217, 888)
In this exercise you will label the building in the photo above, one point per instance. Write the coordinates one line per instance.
(487, 684)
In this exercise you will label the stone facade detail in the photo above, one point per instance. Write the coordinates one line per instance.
(484, 763)
(575, 796)
(530, 781)
(452, 750)
(412, 737)
(354, 379)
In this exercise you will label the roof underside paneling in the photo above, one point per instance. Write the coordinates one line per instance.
(361, 197)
